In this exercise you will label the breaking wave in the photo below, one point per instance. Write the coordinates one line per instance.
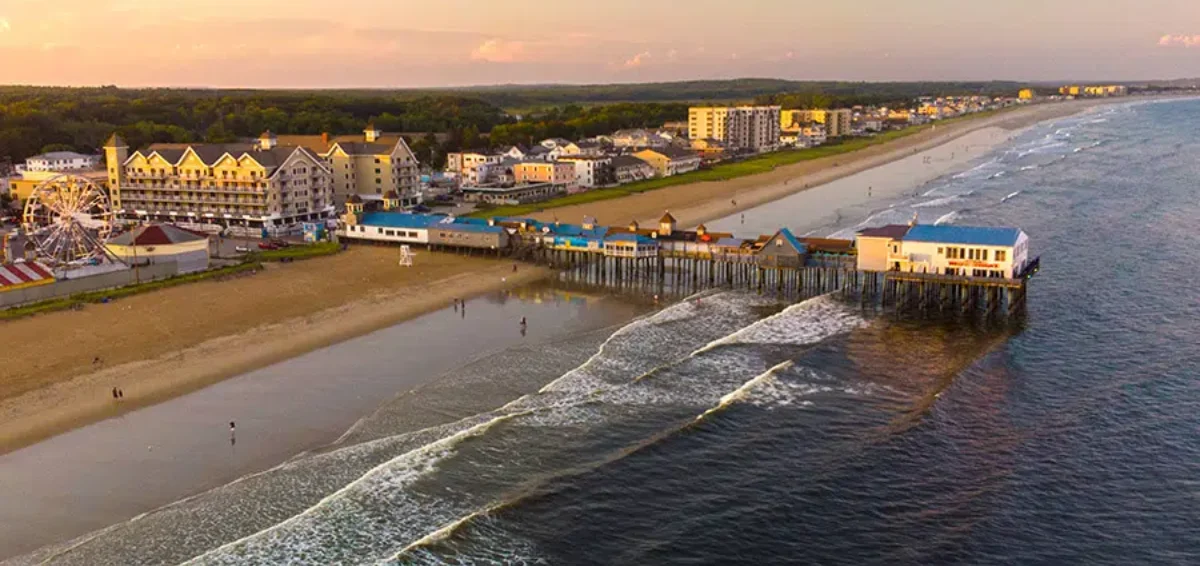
(648, 375)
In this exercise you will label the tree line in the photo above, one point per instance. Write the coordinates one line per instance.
(38, 119)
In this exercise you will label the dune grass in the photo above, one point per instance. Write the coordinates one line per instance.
(306, 251)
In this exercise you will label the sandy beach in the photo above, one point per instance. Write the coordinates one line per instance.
(701, 202)
(163, 344)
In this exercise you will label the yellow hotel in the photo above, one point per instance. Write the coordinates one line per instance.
(244, 186)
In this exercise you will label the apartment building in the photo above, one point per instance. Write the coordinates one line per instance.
(466, 164)
(557, 173)
(60, 161)
(242, 186)
(373, 163)
(590, 171)
(744, 128)
(836, 122)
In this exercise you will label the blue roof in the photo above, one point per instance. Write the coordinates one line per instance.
(577, 230)
(406, 220)
(966, 235)
(791, 238)
(630, 237)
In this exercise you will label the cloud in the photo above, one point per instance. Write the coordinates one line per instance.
(637, 60)
(499, 51)
(1179, 41)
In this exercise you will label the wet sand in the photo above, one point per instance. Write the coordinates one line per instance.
(162, 344)
(111, 471)
(701, 202)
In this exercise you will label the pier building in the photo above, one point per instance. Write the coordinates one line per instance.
(924, 267)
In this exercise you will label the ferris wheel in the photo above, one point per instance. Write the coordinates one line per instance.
(69, 219)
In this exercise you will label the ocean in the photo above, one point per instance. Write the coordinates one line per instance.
(729, 428)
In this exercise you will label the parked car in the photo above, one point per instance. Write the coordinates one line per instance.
(280, 243)
(267, 246)
(242, 249)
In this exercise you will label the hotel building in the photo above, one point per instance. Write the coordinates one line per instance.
(369, 165)
(747, 128)
(242, 186)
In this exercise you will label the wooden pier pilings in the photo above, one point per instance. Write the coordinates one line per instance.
(892, 291)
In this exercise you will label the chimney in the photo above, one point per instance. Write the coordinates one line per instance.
(325, 138)
(372, 133)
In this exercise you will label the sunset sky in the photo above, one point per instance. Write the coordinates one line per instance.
(410, 43)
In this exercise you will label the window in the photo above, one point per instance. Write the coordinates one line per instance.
(983, 255)
(941, 251)
(1000, 255)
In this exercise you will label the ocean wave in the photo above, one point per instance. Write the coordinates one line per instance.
(937, 202)
(800, 324)
(1010, 196)
(946, 218)
(381, 510)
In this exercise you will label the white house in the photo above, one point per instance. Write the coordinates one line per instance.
(62, 161)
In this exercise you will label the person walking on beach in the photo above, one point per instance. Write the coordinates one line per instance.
(120, 393)
(232, 433)
(455, 305)
(115, 393)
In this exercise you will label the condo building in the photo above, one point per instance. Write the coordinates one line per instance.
(746, 128)
(835, 122)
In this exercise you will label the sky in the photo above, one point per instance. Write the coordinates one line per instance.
(434, 43)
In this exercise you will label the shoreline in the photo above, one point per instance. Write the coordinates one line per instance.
(83, 399)
(59, 404)
(700, 202)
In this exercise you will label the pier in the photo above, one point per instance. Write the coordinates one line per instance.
(899, 268)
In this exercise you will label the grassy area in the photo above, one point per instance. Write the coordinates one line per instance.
(80, 299)
(720, 172)
(289, 253)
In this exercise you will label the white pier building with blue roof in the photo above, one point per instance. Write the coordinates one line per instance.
(969, 251)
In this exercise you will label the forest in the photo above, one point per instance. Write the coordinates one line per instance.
(38, 119)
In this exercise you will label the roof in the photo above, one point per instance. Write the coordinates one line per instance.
(24, 274)
(115, 140)
(829, 245)
(427, 221)
(892, 231)
(392, 194)
(628, 161)
(61, 155)
(667, 218)
(354, 199)
(211, 153)
(967, 235)
(320, 144)
(672, 152)
(730, 242)
(791, 239)
(629, 237)
(156, 235)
